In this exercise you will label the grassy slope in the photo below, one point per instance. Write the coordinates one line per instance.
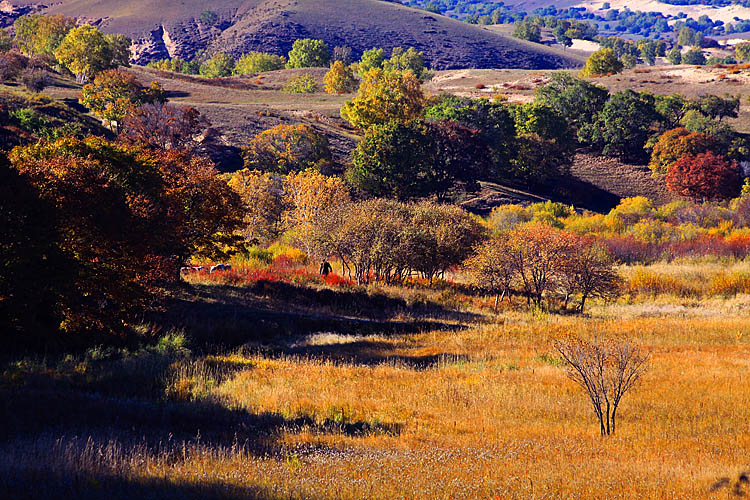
(391, 408)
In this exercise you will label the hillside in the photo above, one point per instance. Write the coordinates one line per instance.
(172, 28)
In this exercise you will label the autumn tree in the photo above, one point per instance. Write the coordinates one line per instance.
(262, 194)
(602, 62)
(220, 65)
(287, 148)
(703, 176)
(309, 53)
(85, 51)
(587, 270)
(124, 220)
(385, 96)
(676, 143)
(439, 237)
(164, 126)
(492, 268)
(340, 79)
(40, 34)
(12, 64)
(606, 369)
(307, 196)
(258, 62)
(113, 92)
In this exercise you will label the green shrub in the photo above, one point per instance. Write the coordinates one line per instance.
(258, 62)
(303, 84)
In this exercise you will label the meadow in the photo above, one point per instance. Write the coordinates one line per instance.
(262, 385)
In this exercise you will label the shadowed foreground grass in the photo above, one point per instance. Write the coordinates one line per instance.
(480, 412)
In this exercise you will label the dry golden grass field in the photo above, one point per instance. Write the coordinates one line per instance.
(307, 391)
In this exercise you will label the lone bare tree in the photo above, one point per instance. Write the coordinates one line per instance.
(606, 370)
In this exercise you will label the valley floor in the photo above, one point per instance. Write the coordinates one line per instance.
(384, 393)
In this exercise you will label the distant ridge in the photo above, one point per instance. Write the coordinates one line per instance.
(172, 28)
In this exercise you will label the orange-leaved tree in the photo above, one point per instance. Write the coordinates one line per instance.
(704, 176)
(676, 143)
(124, 218)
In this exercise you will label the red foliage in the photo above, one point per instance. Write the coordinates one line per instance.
(703, 176)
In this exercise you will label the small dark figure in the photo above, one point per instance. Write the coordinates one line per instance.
(325, 268)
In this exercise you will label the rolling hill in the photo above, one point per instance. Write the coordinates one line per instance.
(173, 28)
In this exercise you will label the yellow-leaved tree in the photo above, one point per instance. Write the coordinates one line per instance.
(340, 79)
(85, 51)
(385, 96)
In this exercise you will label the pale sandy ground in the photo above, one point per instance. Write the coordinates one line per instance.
(726, 14)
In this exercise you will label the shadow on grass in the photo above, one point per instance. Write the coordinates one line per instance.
(278, 313)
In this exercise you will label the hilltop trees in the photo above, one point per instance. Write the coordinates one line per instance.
(38, 34)
(258, 62)
(287, 148)
(85, 51)
(219, 66)
(385, 96)
(309, 53)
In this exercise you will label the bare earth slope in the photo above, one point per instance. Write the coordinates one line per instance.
(169, 28)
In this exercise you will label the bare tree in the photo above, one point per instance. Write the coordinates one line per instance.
(606, 370)
(588, 269)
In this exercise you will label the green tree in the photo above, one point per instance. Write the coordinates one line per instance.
(340, 79)
(545, 147)
(209, 17)
(602, 62)
(648, 50)
(40, 34)
(309, 53)
(671, 109)
(85, 51)
(628, 61)
(394, 160)
(402, 60)
(120, 47)
(689, 37)
(576, 101)
(371, 59)
(526, 30)
(302, 84)
(258, 62)
(694, 56)
(6, 41)
(675, 55)
(742, 52)
(623, 126)
(219, 66)
(385, 96)
(714, 106)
